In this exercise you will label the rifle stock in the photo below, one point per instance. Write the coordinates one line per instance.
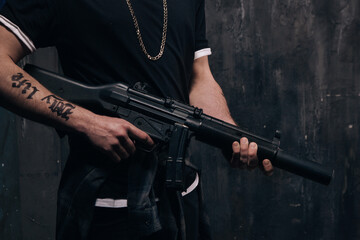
(158, 117)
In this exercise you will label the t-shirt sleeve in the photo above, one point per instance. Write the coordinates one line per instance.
(201, 44)
(33, 22)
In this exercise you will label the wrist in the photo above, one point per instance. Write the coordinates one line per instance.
(83, 121)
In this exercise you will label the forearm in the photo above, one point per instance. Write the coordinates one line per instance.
(21, 93)
(206, 93)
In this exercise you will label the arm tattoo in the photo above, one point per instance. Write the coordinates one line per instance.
(19, 82)
(59, 106)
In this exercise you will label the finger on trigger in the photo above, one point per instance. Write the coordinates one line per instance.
(121, 151)
(141, 136)
(129, 145)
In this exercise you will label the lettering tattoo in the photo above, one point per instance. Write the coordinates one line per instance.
(19, 82)
(59, 106)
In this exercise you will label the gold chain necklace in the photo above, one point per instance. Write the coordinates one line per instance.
(138, 33)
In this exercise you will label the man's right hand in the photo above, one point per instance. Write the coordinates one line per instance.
(116, 137)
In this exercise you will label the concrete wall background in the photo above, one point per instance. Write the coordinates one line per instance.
(290, 65)
(294, 66)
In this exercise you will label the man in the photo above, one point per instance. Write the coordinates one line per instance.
(157, 45)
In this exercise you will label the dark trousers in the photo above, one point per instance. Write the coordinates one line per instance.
(112, 223)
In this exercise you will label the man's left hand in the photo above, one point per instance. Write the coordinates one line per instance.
(245, 157)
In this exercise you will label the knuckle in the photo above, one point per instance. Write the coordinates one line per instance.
(121, 133)
(121, 121)
(113, 142)
(126, 127)
(107, 148)
(110, 145)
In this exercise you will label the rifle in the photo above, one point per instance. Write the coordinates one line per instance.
(169, 121)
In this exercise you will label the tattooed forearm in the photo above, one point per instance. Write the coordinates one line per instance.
(59, 106)
(19, 81)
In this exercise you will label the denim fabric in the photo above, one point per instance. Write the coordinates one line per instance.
(142, 209)
(84, 174)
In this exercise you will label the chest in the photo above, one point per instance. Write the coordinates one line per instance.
(114, 19)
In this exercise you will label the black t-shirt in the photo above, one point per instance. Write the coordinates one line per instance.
(97, 41)
(97, 44)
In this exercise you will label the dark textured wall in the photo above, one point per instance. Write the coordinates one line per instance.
(290, 65)
(294, 66)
